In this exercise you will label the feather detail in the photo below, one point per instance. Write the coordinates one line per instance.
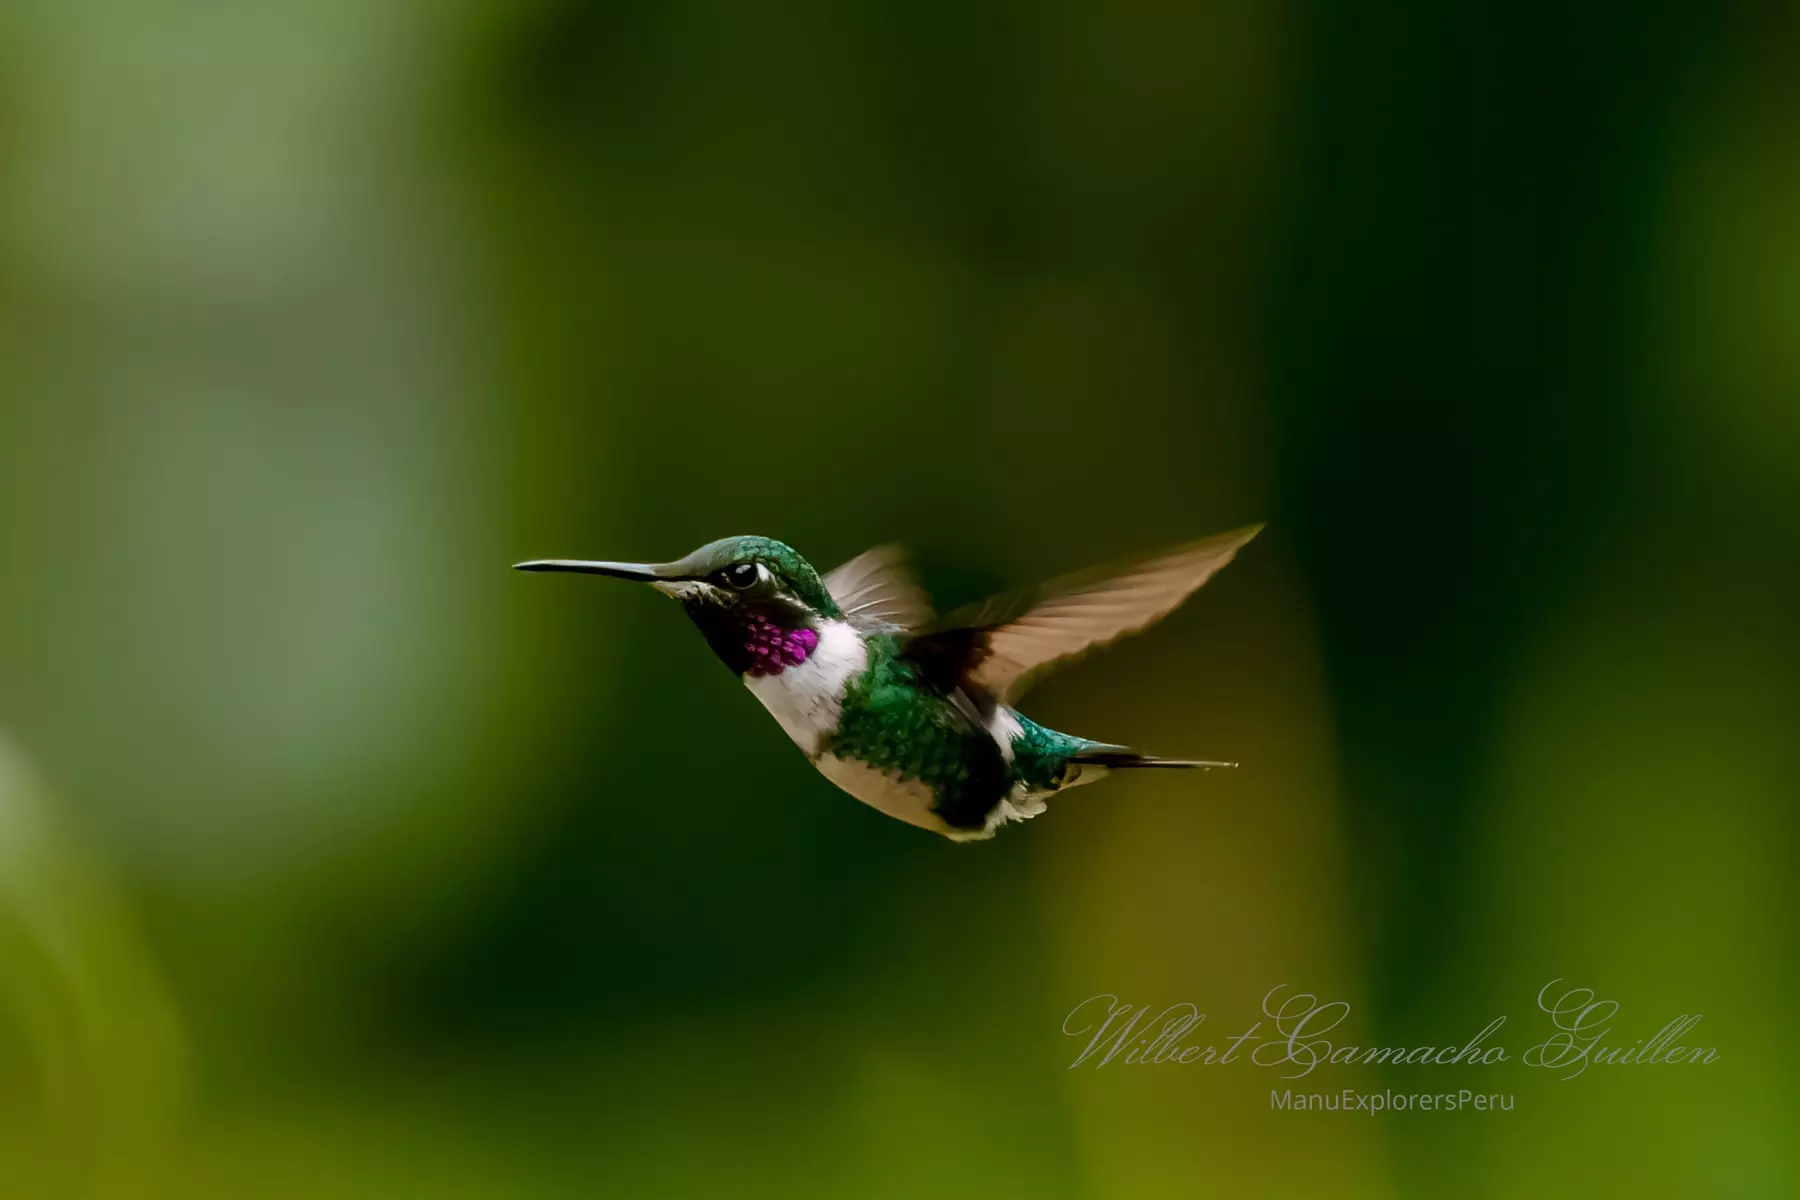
(876, 589)
(999, 647)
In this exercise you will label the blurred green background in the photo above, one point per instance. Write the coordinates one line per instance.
(336, 860)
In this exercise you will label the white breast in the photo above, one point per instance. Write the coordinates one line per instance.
(807, 700)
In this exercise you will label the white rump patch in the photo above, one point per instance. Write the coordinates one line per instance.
(1005, 729)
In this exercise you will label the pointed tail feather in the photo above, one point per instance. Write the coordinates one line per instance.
(1118, 757)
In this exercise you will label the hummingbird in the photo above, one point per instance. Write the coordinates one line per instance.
(910, 713)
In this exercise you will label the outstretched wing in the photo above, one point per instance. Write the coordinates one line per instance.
(1000, 646)
(877, 588)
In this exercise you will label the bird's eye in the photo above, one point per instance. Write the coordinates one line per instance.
(742, 575)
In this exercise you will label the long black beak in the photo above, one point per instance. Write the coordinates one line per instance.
(641, 572)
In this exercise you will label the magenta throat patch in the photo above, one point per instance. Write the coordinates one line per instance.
(774, 649)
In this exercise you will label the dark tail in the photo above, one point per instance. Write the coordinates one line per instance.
(1118, 757)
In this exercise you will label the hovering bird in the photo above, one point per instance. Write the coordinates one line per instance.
(914, 716)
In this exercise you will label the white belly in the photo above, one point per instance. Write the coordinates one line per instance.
(903, 799)
(910, 800)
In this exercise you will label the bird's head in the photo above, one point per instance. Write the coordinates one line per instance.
(757, 601)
